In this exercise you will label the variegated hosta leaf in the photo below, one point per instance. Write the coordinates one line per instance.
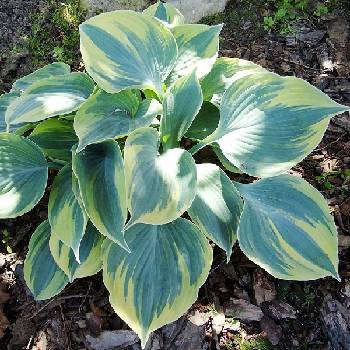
(49, 97)
(56, 137)
(23, 175)
(5, 100)
(217, 206)
(67, 218)
(159, 280)
(100, 172)
(48, 71)
(89, 254)
(198, 49)
(181, 104)
(225, 71)
(286, 228)
(269, 123)
(160, 188)
(42, 275)
(166, 13)
(205, 123)
(126, 50)
(224, 161)
(108, 116)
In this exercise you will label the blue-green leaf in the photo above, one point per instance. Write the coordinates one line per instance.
(48, 71)
(50, 97)
(181, 104)
(217, 207)
(269, 123)
(108, 116)
(166, 13)
(159, 280)
(55, 137)
(225, 71)
(42, 275)
(198, 49)
(90, 260)
(23, 175)
(205, 123)
(160, 188)
(66, 216)
(286, 228)
(100, 172)
(5, 101)
(125, 50)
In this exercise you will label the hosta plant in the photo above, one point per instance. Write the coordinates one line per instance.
(127, 197)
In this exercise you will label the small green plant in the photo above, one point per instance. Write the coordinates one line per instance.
(286, 12)
(125, 181)
(54, 32)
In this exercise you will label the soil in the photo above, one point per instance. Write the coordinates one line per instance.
(295, 315)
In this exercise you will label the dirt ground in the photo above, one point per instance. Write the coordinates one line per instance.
(240, 306)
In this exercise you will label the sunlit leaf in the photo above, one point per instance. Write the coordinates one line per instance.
(48, 71)
(100, 172)
(55, 137)
(90, 260)
(160, 188)
(108, 116)
(23, 175)
(50, 97)
(198, 49)
(42, 275)
(269, 123)
(125, 50)
(217, 207)
(181, 104)
(67, 218)
(286, 228)
(166, 13)
(159, 280)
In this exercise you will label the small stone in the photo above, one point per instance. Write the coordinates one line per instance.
(109, 340)
(264, 288)
(279, 310)
(272, 330)
(243, 310)
(343, 242)
(218, 322)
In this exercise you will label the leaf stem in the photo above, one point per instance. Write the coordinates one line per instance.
(197, 147)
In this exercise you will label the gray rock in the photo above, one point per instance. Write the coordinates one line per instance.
(193, 10)
(272, 330)
(110, 340)
(279, 310)
(336, 322)
(243, 310)
(312, 37)
(96, 6)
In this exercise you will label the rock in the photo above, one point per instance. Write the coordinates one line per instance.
(185, 335)
(218, 322)
(343, 121)
(311, 37)
(193, 10)
(336, 322)
(243, 310)
(343, 242)
(279, 310)
(96, 6)
(2, 260)
(272, 330)
(109, 340)
(264, 288)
